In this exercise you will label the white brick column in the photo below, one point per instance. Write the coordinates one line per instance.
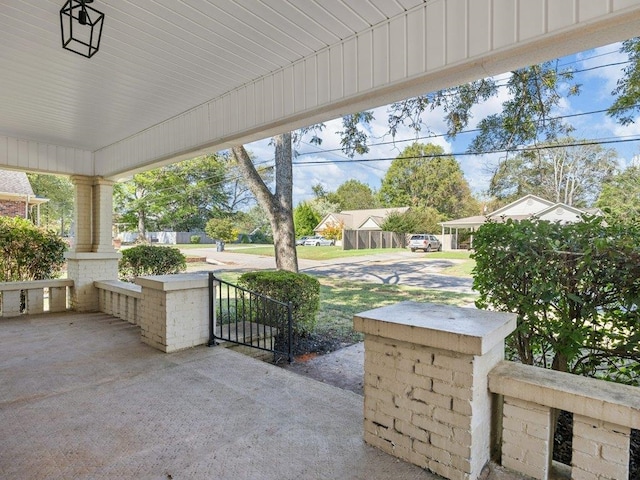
(426, 396)
(102, 216)
(91, 258)
(82, 218)
(175, 311)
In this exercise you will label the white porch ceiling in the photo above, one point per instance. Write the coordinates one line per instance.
(177, 77)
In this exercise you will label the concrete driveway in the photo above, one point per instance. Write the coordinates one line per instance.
(397, 268)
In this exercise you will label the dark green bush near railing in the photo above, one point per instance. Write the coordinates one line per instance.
(303, 291)
(29, 252)
(575, 289)
(150, 260)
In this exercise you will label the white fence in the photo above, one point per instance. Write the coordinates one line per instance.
(167, 238)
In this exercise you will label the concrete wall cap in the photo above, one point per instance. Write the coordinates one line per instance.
(71, 255)
(34, 284)
(464, 330)
(612, 402)
(118, 286)
(180, 281)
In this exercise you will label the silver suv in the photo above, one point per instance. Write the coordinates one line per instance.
(427, 243)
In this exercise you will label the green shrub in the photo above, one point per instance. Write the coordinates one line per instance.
(222, 229)
(303, 291)
(575, 289)
(195, 239)
(262, 238)
(150, 260)
(29, 252)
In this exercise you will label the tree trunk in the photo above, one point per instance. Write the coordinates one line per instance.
(142, 231)
(278, 205)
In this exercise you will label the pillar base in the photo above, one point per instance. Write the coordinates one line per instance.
(426, 398)
(84, 268)
(175, 311)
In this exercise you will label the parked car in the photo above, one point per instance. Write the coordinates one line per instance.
(318, 240)
(425, 242)
(301, 240)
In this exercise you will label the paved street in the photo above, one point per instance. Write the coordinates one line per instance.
(399, 268)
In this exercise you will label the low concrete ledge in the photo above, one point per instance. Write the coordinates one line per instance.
(463, 330)
(92, 255)
(117, 286)
(167, 283)
(35, 284)
(611, 402)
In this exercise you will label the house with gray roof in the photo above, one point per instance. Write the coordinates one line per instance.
(369, 219)
(528, 206)
(17, 198)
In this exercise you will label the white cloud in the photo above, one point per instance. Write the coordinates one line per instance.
(605, 77)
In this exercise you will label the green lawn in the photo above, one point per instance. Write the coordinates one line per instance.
(340, 300)
(314, 253)
(463, 269)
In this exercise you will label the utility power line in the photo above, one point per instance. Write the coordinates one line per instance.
(467, 154)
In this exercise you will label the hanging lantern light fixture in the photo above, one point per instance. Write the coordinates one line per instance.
(81, 27)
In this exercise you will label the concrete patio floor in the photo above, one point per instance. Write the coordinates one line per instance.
(82, 397)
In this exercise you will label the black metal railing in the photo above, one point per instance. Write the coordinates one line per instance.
(240, 316)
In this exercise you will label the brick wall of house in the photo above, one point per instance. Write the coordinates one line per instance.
(9, 208)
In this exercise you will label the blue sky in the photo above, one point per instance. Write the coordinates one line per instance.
(597, 85)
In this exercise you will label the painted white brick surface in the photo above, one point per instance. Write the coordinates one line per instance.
(600, 449)
(527, 437)
(425, 401)
(11, 303)
(35, 300)
(174, 311)
(85, 268)
(603, 415)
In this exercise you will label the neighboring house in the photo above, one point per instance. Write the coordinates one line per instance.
(529, 206)
(370, 220)
(17, 198)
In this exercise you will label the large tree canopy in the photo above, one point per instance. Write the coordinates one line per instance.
(354, 195)
(560, 172)
(620, 195)
(627, 91)
(526, 116)
(415, 220)
(57, 213)
(180, 197)
(422, 176)
(305, 219)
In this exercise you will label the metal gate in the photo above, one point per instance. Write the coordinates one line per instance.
(243, 317)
